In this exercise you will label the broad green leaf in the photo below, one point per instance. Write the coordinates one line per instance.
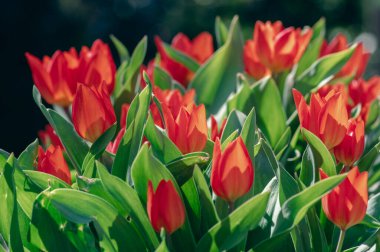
(45, 180)
(75, 146)
(115, 233)
(9, 226)
(221, 32)
(235, 122)
(181, 57)
(230, 231)
(322, 69)
(121, 49)
(219, 72)
(147, 168)
(182, 167)
(367, 161)
(128, 204)
(248, 132)
(322, 157)
(26, 159)
(161, 78)
(309, 172)
(241, 100)
(193, 206)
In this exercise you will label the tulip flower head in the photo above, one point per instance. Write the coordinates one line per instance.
(356, 65)
(215, 132)
(352, 146)
(165, 207)
(232, 170)
(53, 162)
(199, 49)
(346, 204)
(326, 117)
(92, 111)
(48, 137)
(188, 130)
(274, 49)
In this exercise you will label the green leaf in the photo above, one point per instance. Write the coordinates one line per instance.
(219, 72)
(161, 78)
(75, 146)
(221, 32)
(231, 230)
(128, 149)
(309, 172)
(193, 206)
(121, 49)
(128, 204)
(26, 159)
(322, 156)
(97, 150)
(248, 132)
(180, 57)
(9, 226)
(147, 168)
(322, 69)
(182, 167)
(115, 233)
(235, 122)
(45, 180)
(241, 100)
(367, 161)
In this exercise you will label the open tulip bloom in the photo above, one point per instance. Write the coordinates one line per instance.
(170, 154)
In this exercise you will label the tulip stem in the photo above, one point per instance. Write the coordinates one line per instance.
(340, 241)
(231, 207)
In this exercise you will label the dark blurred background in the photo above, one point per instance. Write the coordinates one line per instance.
(43, 26)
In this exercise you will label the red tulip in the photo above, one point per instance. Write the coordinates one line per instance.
(48, 137)
(232, 170)
(326, 117)
(124, 114)
(55, 77)
(215, 132)
(112, 147)
(200, 49)
(53, 162)
(346, 204)
(352, 146)
(356, 65)
(275, 48)
(92, 113)
(165, 207)
(189, 129)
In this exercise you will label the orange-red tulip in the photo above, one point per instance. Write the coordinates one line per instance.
(215, 132)
(352, 146)
(326, 116)
(165, 207)
(200, 49)
(48, 137)
(274, 47)
(56, 78)
(92, 113)
(356, 65)
(346, 204)
(232, 170)
(189, 129)
(53, 162)
(112, 147)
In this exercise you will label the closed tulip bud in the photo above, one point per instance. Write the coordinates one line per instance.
(199, 49)
(346, 204)
(215, 132)
(48, 137)
(232, 170)
(165, 207)
(53, 162)
(356, 65)
(275, 47)
(352, 146)
(326, 117)
(55, 77)
(189, 129)
(92, 111)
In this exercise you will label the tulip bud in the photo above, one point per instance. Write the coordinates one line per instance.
(232, 170)
(189, 129)
(165, 207)
(352, 146)
(346, 204)
(112, 147)
(92, 111)
(48, 137)
(215, 132)
(326, 117)
(53, 162)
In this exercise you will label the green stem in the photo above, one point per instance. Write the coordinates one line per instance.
(231, 207)
(340, 241)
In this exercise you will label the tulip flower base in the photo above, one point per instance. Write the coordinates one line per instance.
(218, 143)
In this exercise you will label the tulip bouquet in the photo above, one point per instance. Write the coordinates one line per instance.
(265, 144)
